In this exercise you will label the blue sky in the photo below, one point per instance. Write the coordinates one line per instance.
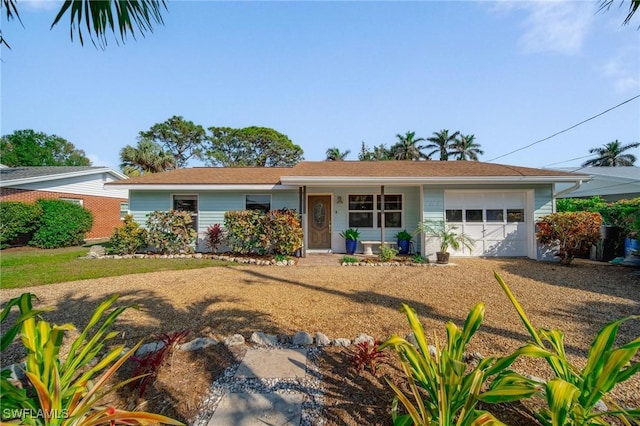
(336, 74)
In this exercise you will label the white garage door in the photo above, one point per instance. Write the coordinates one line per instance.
(494, 219)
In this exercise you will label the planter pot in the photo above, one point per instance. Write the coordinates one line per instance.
(351, 246)
(631, 245)
(403, 246)
(442, 258)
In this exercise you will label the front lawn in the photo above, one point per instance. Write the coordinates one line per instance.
(33, 267)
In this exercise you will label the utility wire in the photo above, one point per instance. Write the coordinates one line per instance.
(565, 130)
(566, 161)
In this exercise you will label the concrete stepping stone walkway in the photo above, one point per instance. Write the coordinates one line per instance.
(269, 387)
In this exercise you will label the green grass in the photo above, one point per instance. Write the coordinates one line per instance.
(34, 267)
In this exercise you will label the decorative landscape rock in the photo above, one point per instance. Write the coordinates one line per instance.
(284, 339)
(198, 344)
(362, 337)
(342, 342)
(411, 338)
(234, 340)
(322, 339)
(302, 338)
(149, 347)
(96, 251)
(263, 339)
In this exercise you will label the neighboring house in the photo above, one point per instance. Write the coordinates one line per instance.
(82, 185)
(495, 204)
(610, 183)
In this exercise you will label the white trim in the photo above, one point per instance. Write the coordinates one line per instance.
(200, 187)
(376, 211)
(46, 178)
(532, 245)
(440, 180)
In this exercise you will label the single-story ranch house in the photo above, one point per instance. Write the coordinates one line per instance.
(497, 205)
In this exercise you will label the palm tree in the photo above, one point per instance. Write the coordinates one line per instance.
(406, 149)
(147, 157)
(612, 155)
(441, 142)
(466, 148)
(334, 154)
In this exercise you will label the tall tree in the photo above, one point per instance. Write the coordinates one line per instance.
(466, 148)
(334, 154)
(633, 8)
(146, 157)
(441, 142)
(406, 148)
(251, 146)
(379, 153)
(612, 155)
(101, 18)
(179, 137)
(30, 148)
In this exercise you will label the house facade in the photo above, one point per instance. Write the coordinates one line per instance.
(610, 183)
(496, 205)
(77, 184)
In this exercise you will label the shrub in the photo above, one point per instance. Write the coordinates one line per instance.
(387, 253)
(367, 356)
(62, 224)
(573, 394)
(245, 231)
(418, 258)
(128, 239)
(171, 232)
(573, 232)
(17, 219)
(349, 259)
(284, 231)
(66, 390)
(214, 236)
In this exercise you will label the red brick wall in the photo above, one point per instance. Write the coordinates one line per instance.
(106, 211)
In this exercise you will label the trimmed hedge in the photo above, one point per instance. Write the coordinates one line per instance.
(253, 231)
(62, 224)
(18, 219)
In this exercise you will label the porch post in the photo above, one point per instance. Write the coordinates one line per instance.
(382, 221)
(302, 194)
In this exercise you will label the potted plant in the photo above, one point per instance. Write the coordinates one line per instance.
(350, 239)
(404, 241)
(448, 236)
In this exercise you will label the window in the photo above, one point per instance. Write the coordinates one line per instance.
(362, 211)
(454, 215)
(473, 215)
(124, 210)
(187, 203)
(77, 201)
(515, 215)
(495, 215)
(258, 202)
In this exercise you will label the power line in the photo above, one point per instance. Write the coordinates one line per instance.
(566, 161)
(566, 130)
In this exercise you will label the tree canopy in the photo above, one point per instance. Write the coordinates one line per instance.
(407, 148)
(250, 146)
(378, 153)
(179, 137)
(334, 154)
(441, 142)
(612, 155)
(146, 157)
(31, 148)
(466, 148)
(99, 18)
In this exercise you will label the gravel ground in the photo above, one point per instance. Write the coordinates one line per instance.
(346, 301)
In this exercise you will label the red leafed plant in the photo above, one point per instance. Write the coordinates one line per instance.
(573, 232)
(367, 356)
(149, 364)
(214, 236)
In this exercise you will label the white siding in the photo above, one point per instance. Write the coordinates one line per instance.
(82, 185)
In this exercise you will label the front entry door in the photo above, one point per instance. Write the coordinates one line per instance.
(319, 217)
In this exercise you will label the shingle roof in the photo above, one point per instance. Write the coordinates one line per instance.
(15, 173)
(350, 169)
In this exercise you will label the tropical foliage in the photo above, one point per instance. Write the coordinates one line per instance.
(447, 234)
(179, 137)
(101, 17)
(171, 232)
(378, 153)
(334, 154)
(443, 389)
(27, 148)
(146, 157)
(254, 231)
(127, 239)
(214, 236)
(350, 234)
(574, 392)
(251, 146)
(441, 143)
(573, 233)
(69, 390)
(633, 8)
(407, 148)
(612, 155)
(465, 148)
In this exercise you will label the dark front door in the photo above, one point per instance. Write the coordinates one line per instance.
(319, 217)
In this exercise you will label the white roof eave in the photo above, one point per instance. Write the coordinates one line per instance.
(201, 187)
(351, 180)
(58, 176)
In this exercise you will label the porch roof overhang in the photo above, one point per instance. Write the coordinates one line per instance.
(400, 181)
(204, 187)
